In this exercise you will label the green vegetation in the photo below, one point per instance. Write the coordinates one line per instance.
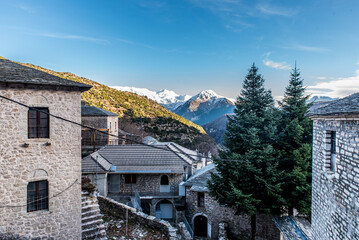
(295, 146)
(125, 104)
(251, 182)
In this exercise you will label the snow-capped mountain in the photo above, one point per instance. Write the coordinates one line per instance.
(167, 98)
(320, 99)
(205, 107)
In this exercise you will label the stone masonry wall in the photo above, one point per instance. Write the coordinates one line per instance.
(59, 163)
(150, 183)
(335, 204)
(239, 226)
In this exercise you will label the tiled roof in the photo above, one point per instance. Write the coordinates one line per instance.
(345, 106)
(95, 111)
(11, 72)
(198, 181)
(138, 158)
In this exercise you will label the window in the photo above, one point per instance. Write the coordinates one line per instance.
(200, 199)
(37, 196)
(110, 127)
(130, 178)
(164, 180)
(333, 146)
(38, 123)
(330, 153)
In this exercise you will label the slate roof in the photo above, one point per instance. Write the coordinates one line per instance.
(136, 158)
(294, 228)
(345, 106)
(95, 111)
(11, 72)
(198, 181)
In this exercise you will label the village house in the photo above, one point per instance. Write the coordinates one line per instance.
(204, 215)
(40, 155)
(335, 187)
(102, 120)
(153, 171)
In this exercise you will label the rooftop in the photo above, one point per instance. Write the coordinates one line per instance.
(135, 158)
(345, 106)
(198, 181)
(95, 111)
(11, 72)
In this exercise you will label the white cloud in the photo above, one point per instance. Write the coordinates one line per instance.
(272, 10)
(276, 65)
(306, 48)
(72, 37)
(322, 78)
(340, 87)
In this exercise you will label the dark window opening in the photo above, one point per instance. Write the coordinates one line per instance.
(164, 180)
(37, 196)
(333, 151)
(130, 178)
(38, 123)
(200, 199)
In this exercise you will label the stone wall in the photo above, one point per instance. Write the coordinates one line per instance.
(239, 226)
(150, 183)
(115, 209)
(56, 159)
(335, 205)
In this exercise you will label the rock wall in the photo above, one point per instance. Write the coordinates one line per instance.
(56, 159)
(335, 205)
(118, 210)
(239, 226)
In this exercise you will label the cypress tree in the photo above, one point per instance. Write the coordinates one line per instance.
(250, 180)
(294, 145)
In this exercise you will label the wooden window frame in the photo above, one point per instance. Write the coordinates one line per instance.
(200, 199)
(37, 126)
(38, 202)
(130, 178)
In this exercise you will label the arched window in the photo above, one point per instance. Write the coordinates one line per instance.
(164, 180)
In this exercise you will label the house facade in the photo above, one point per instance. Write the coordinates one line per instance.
(204, 214)
(151, 171)
(40, 178)
(335, 187)
(102, 120)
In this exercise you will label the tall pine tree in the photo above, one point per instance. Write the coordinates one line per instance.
(250, 182)
(294, 144)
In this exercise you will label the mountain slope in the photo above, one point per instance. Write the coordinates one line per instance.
(205, 107)
(167, 98)
(125, 104)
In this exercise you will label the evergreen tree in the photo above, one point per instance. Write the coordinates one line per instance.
(250, 182)
(294, 144)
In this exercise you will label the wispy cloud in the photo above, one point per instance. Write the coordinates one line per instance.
(72, 37)
(322, 78)
(272, 10)
(340, 87)
(276, 65)
(300, 47)
(25, 8)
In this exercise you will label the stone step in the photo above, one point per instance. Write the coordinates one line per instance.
(94, 232)
(93, 224)
(89, 208)
(85, 203)
(91, 218)
(91, 212)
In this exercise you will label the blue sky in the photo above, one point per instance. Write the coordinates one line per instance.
(189, 45)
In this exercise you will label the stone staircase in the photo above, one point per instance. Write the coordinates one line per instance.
(92, 223)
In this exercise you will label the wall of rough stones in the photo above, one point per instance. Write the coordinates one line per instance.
(335, 204)
(239, 226)
(115, 209)
(150, 183)
(59, 163)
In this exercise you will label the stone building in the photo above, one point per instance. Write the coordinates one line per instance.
(335, 187)
(204, 214)
(154, 171)
(102, 120)
(40, 155)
